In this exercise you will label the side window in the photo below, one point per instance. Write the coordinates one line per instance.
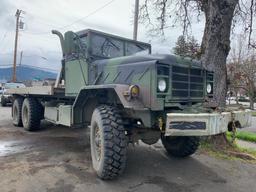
(81, 44)
(84, 44)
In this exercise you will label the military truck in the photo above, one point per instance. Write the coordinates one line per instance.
(120, 91)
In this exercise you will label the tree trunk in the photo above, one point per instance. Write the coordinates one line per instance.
(216, 42)
(215, 49)
(251, 103)
(237, 98)
(251, 93)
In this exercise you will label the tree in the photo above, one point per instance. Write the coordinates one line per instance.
(233, 66)
(248, 73)
(181, 48)
(219, 15)
(187, 48)
(242, 69)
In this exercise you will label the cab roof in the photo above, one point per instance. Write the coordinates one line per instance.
(88, 31)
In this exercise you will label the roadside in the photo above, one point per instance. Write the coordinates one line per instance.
(253, 127)
(246, 144)
(246, 137)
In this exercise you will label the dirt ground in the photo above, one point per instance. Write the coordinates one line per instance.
(57, 159)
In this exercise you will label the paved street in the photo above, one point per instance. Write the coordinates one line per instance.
(57, 159)
(251, 128)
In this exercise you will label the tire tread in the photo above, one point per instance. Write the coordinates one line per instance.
(115, 139)
(186, 146)
(19, 101)
(34, 114)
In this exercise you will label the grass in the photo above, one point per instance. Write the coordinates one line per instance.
(254, 113)
(250, 151)
(208, 148)
(244, 135)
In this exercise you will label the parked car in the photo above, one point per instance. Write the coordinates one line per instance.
(243, 99)
(5, 97)
(1, 90)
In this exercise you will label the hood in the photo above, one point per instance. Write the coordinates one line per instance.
(158, 58)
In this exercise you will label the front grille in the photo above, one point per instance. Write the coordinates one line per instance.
(187, 83)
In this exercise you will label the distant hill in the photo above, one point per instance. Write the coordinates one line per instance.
(26, 73)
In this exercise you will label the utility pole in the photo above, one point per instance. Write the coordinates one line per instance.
(21, 55)
(18, 12)
(136, 17)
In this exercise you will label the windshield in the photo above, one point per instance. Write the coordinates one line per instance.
(135, 48)
(13, 85)
(109, 47)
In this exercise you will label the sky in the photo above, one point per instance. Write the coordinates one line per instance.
(42, 49)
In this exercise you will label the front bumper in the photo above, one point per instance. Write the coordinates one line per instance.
(203, 124)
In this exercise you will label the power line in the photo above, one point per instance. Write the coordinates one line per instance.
(4, 36)
(78, 20)
(39, 20)
(90, 14)
(2, 41)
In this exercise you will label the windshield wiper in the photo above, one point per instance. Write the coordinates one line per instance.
(114, 45)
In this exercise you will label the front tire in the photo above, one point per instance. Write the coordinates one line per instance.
(16, 112)
(180, 146)
(108, 142)
(31, 114)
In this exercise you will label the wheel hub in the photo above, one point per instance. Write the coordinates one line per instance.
(15, 113)
(25, 115)
(97, 142)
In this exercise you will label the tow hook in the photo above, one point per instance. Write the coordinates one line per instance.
(161, 124)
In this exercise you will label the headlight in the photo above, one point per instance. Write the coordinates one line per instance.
(209, 88)
(162, 85)
(134, 90)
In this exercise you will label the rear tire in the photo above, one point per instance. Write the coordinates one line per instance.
(108, 142)
(16, 112)
(3, 102)
(180, 146)
(31, 114)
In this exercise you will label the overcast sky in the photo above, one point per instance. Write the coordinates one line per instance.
(41, 48)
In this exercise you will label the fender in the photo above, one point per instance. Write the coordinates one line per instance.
(91, 96)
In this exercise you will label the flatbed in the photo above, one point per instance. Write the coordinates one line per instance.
(37, 90)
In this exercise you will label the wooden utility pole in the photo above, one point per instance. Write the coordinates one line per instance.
(21, 55)
(136, 18)
(18, 12)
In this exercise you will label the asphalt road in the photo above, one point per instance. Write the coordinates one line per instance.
(57, 159)
(251, 128)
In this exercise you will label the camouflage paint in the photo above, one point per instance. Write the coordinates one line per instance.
(127, 70)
